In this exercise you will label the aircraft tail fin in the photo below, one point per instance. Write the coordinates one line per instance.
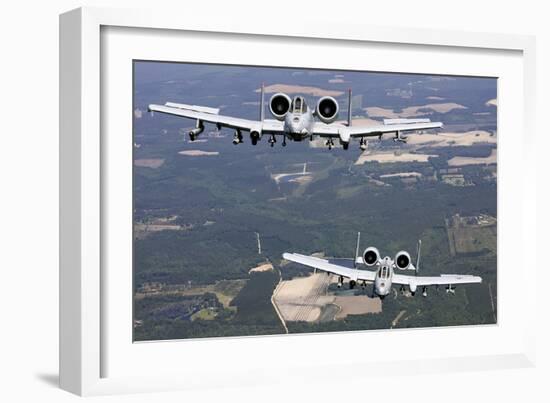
(418, 257)
(262, 109)
(349, 107)
(357, 249)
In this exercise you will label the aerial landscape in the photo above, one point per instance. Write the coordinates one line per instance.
(212, 219)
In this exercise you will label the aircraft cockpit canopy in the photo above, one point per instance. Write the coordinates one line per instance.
(384, 272)
(299, 105)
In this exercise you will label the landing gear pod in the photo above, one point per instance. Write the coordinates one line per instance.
(255, 136)
(344, 144)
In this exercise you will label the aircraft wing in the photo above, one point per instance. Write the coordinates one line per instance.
(343, 131)
(328, 267)
(444, 279)
(210, 115)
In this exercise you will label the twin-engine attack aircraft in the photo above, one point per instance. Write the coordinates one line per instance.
(295, 120)
(385, 274)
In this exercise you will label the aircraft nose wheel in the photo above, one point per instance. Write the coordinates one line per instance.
(330, 144)
(272, 140)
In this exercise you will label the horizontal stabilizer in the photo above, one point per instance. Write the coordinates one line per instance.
(405, 121)
(196, 108)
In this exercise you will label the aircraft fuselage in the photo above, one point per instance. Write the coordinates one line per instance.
(383, 279)
(299, 125)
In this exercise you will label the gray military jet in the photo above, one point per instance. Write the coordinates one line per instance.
(295, 120)
(385, 274)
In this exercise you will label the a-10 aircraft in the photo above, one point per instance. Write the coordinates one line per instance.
(295, 120)
(384, 276)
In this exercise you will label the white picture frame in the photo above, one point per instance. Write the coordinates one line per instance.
(86, 345)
